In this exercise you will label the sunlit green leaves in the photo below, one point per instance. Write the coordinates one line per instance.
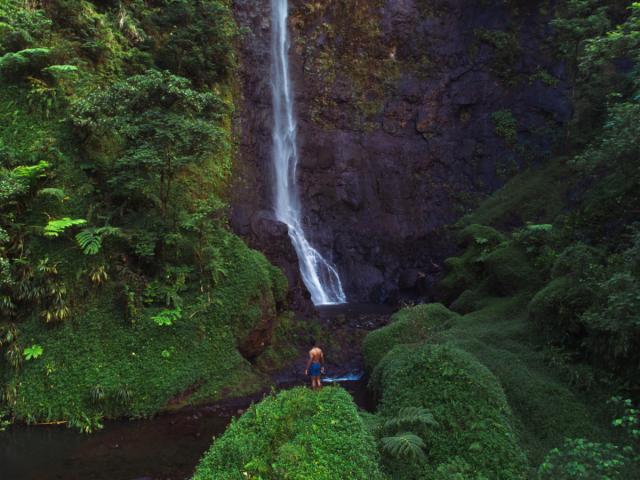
(167, 318)
(54, 228)
(33, 352)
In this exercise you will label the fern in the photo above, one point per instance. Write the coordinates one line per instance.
(411, 416)
(57, 193)
(55, 227)
(90, 239)
(404, 445)
(89, 242)
(61, 70)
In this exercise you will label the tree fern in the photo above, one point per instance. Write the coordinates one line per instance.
(411, 416)
(90, 239)
(89, 242)
(57, 193)
(404, 445)
(55, 227)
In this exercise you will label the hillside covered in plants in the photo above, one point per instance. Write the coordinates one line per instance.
(473, 166)
(121, 286)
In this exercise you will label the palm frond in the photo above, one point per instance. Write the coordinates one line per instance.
(89, 241)
(411, 416)
(404, 445)
(55, 227)
(57, 193)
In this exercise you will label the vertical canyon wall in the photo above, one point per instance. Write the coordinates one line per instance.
(409, 112)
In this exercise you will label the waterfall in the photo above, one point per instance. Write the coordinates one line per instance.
(320, 277)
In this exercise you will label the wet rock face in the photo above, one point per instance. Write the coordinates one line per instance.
(409, 112)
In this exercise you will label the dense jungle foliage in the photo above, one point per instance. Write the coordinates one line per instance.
(124, 293)
(120, 285)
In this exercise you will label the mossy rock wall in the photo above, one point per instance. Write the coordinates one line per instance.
(99, 364)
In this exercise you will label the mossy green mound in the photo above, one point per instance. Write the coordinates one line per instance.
(465, 399)
(535, 195)
(299, 434)
(499, 336)
(410, 325)
(509, 270)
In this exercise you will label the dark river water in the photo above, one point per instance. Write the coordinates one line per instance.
(167, 447)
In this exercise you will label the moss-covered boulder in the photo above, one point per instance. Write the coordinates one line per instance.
(299, 434)
(410, 325)
(555, 309)
(467, 302)
(474, 436)
(465, 271)
(509, 270)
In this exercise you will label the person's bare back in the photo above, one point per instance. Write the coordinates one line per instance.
(315, 367)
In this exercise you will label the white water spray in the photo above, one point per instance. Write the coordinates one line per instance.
(319, 276)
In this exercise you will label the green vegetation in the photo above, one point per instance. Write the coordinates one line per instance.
(467, 402)
(297, 434)
(547, 280)
(121, 290)
(506, 126)
(414, 325)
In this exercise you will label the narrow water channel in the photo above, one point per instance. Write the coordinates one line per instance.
(167, 447)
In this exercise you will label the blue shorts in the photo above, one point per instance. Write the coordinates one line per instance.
(315, 369)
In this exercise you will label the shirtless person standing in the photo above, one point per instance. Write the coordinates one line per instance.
(315, 367)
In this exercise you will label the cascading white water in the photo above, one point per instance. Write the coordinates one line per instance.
(320, 277)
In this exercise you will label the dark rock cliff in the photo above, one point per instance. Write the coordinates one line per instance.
(410, 111)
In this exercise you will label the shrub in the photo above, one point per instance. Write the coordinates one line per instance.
(613, 325)
(555, 310)
(409, 325)
(298, 434)
(466, 401)
(509, 270)
(465, 271)
(581, 459)
(578, 261)
(201, 44)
